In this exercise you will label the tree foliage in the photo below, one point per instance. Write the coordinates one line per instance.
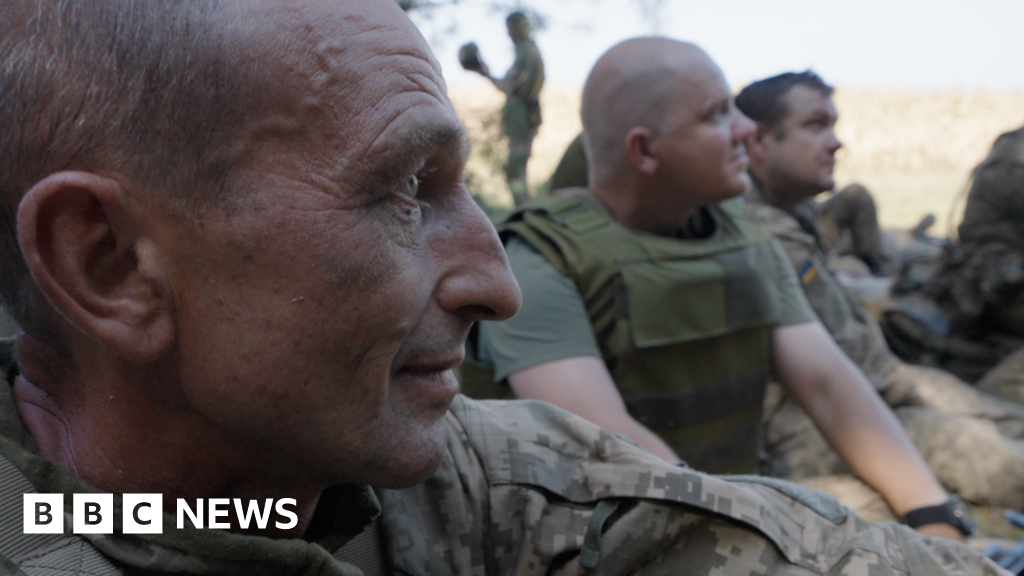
(408, 5)
(650, 10)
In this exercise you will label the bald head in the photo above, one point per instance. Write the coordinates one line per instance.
(662, 134)
(637, 83)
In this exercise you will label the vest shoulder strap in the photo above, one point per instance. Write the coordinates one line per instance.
(546, 224)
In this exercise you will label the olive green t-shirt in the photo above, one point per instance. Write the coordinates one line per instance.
(553, 323)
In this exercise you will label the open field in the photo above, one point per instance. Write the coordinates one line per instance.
(914, 150)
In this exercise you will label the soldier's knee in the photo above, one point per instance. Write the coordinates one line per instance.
(857, 195)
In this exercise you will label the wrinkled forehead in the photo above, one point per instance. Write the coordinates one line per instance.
(325, 40)
(358, 69)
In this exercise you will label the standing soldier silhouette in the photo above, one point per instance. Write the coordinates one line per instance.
(520, 117)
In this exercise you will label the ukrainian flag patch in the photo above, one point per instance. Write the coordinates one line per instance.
(808, 272)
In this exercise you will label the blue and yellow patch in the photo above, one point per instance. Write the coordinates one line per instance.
(808, 272)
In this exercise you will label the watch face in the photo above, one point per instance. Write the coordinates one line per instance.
(962, 513)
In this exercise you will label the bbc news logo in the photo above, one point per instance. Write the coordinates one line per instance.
(143, 513)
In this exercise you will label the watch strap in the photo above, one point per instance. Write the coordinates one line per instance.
(938, 514)
(949, 512)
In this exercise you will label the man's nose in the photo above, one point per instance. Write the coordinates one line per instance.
(478, 283)
(742, 127)
(834, 143)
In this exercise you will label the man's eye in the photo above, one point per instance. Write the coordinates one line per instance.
(411, 186)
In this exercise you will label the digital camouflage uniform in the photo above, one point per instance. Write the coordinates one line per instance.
(1006, 380)
(524, 488)
(520, 117)
(977, 290)
(985, 278)
(972, 441)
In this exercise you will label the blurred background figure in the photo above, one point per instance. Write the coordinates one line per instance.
(520, 117)
(964, 311)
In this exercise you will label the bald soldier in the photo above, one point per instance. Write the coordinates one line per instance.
(972, 441)
(266, 301)
(656, 307)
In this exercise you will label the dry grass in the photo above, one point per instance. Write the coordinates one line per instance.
(915, 150)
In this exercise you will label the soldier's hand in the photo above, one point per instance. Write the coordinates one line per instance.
(940, 530)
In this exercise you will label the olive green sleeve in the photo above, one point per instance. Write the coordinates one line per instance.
(551, 325)
(793, 305)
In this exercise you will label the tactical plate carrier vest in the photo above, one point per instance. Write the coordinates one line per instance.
(684, 326)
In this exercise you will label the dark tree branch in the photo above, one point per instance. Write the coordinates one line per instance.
(408, 5)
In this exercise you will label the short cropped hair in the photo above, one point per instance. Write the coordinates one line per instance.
(764, 101)
(519, 21)
(141, 91)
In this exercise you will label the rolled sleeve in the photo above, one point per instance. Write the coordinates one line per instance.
(793, 305)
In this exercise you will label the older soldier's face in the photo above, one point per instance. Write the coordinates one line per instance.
(320, 317)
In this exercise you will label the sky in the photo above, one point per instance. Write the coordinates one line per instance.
(899, 44)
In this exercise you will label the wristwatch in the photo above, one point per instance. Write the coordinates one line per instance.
(954, 512)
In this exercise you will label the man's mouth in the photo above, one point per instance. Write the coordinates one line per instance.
(434, 364)
(431, 377)
(740, 157)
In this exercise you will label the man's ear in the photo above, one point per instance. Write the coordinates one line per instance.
(80, 234)
(638, 150)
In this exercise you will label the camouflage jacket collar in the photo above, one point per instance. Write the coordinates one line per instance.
(342, 513)
(803, 214)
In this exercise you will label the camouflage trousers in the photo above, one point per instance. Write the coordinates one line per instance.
(1006, 380)
(520, 146)
(973, 442)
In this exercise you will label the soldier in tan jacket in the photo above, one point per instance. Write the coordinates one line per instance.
(971, 440)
